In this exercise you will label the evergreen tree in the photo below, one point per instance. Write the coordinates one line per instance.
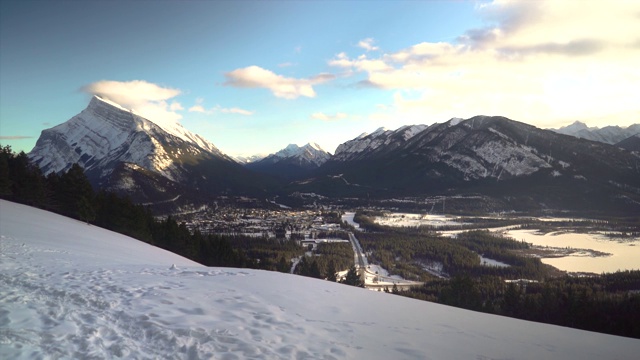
(283, 265)
(74, 185)
(331, 271)
(353, 278)
(394, 289)
(5, 182)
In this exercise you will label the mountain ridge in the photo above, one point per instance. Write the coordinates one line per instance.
(608, 134)
(489, 155)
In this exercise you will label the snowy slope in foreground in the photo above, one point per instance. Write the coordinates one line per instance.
(69, 290)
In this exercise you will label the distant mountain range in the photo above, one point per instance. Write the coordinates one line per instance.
(609, 134)
(515, 165)
(518, 164)
(292, 162)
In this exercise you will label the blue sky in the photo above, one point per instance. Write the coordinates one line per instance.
(252, 77)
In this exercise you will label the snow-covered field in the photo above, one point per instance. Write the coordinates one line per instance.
(415, 220)
(70, 290)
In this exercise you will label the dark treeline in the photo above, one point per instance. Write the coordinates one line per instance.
(266, 253)
(402, 251)
(326, 261)
(608, 303)
(72, 195)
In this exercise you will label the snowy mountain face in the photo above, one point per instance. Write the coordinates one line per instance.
(310, 153)
(124, 152)
(457, 144)
(105, 134)
(608, 134)
(292, 162)
(382, 139)
(70, 290)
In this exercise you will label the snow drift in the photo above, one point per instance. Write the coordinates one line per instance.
(70, 290)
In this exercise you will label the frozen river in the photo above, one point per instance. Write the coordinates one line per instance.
(625, 253)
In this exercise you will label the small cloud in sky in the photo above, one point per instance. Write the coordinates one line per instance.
(175, 106)
(280, 86)
(197, 108)
(367, 44)
(328, 117)
(144, 98)
(235, 110)
(286, 64)
(15, 137)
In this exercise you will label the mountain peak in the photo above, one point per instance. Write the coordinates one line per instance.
(106, 135)
(97, 101)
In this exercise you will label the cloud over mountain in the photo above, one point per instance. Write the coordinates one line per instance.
(144, 98)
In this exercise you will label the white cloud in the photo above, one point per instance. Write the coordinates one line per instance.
(197, 108)
(280, 86)
(236, 110)
(367, 44)
(535, 61)
(328, 117)
(144, 98)
(175, 106)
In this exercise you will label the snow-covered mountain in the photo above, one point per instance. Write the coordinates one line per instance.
(124, 152)
(310, 153)
(380, 140)
(247, 159)
(70, 290)
(293, 161)
(486, 154)
(105, 134)
(607, 134)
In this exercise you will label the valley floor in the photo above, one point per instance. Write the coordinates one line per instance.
(70, 290)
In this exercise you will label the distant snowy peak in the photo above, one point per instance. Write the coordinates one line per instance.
(292, 162)
(382, 137)
(575, 127)
(607, 134)
(247, 159)
(310, 152)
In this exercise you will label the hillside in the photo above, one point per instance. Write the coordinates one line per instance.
(72, 290)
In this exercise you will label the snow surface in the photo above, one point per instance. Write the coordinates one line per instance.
(70, 290)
